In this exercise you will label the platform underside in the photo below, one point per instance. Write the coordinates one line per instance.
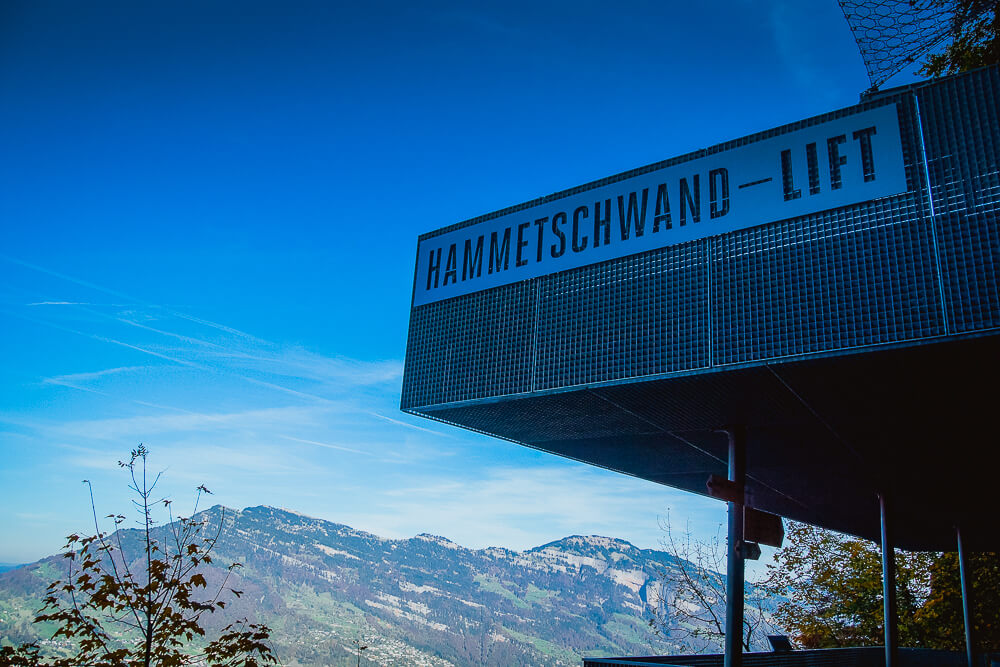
(824, 436)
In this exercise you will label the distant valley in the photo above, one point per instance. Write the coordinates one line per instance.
(420, 601)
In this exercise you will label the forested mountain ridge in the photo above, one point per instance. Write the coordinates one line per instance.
(425, 600)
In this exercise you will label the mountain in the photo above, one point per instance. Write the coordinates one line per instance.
(420, 601)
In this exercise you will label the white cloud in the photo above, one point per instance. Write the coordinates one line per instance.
(326, 445)
(146, 427)
(73, 379)
(521, 507)
(296, 362)
(137, 348)
(230, 351)
(408, 425)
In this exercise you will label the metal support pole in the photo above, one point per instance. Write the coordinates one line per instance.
(963, 571)
(734, 561)
(888, 586)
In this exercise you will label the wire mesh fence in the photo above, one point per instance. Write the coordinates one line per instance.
(893, 34)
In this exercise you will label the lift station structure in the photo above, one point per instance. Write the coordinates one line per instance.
(810, 313)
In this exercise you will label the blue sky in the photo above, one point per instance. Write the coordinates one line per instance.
(208, 219)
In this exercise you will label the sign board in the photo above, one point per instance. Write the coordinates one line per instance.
(763, 527)
(840, 162)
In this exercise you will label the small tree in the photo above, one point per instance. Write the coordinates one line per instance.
(825, 589)
(145, 610)
(690, 601)
(942, 615)
(832, 585)
(975, 38)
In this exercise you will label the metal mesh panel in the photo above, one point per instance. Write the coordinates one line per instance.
(632, 317)
(963, 161)
(840, 279)
(892, 34)
(544, 418)
(470, 347)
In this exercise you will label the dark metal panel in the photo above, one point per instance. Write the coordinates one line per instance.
(871, 656)
(961, 116)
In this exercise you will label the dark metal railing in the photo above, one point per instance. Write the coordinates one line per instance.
(849, 657)
(873, 656)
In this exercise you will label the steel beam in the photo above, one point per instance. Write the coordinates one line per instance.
(888, 586)
(734, 560)
(963, 571)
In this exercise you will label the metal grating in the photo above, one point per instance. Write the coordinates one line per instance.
(841, 279)
(637, 316)
(471, 347)
(962, 135)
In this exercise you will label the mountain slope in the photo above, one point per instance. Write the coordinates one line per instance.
(426, 600)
